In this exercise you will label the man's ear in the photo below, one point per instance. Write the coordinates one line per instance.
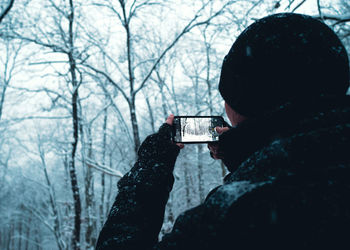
(233, 115)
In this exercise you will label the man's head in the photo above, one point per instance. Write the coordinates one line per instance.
(281, 58)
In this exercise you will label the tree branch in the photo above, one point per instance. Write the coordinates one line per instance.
(109, 79)
(6, 10)
(41, 218)
(338, 18)
(299, 5)
(135, 7)
(319, 9)
(104, 169)
(58, 9)
(185, 30)
(55, 48)
(115, 108)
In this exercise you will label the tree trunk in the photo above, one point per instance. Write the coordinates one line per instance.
(187, 187)
(52, 196)
(28, 233)
(11, 236)
(72, 170)
(89, 196)
(161, 84)
(73, 177)
(2, 98)
(134, 124)
(37, 240)
(200, 173)
(207, 80)
(20, 234)
(103, 177)
(150, 111)
(110, 187)
(131, 101)
(174, 97)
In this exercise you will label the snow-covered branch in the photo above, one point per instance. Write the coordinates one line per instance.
(102, 168)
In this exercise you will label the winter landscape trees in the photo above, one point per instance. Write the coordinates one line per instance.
(83, 82)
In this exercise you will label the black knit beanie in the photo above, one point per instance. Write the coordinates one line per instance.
(281, 58)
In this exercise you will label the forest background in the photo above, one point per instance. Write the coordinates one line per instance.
(82, 83)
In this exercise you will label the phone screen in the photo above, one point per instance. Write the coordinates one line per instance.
(196, 129)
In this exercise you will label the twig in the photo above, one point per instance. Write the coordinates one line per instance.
(300, 4)
(338, 18)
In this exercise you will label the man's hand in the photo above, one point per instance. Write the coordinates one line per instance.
(170, 121)
(214, 146)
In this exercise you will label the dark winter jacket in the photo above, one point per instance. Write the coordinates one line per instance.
(289, 187)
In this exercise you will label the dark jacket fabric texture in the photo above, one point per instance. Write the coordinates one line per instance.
(289, 186)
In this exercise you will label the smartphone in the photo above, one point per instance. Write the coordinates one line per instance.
(196, 129)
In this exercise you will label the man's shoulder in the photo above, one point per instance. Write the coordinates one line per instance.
(261, 213)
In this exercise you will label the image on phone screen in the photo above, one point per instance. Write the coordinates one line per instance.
(196, 129)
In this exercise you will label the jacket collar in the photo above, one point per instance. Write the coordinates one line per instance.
(252, 135)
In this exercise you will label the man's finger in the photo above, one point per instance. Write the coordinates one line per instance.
(180, 145)
(170, 119)
(221, 130)
(213, 156)
(212, 146)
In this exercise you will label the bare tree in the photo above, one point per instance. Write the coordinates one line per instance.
(67, 47)
(75, 121)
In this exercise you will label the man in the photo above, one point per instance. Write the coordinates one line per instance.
(284, 83)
